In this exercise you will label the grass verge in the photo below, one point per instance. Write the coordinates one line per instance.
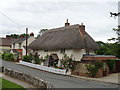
(6, 85)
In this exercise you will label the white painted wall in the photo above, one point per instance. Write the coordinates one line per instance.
(76, 53)
(49, 69)
(30, 39)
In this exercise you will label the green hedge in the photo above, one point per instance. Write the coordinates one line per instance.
(111, 65)
(8, 56)
(27, 58)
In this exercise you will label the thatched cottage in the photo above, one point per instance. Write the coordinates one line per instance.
(72, 40)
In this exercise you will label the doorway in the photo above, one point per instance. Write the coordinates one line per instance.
(53, 60)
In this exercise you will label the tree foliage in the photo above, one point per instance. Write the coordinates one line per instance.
(107, 48)
(17, 35)
(117, 39)
(110, 48)
(41, 32)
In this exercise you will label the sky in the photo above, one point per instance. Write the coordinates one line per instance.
(16, 15)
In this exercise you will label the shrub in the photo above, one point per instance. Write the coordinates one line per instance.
(46, 57)
(27, 58)
(111, 65)
(8, 56)
(68, 63)
(93, 68)
(42, 60)
(0, 55)
(36, 58)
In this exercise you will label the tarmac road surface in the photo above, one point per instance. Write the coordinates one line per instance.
(59, 81)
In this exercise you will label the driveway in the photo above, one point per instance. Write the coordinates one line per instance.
(59, 81)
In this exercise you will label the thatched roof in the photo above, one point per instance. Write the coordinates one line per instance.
(68, 37)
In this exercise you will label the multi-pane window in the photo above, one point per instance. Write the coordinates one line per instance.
(19, 45)
(62, 51)
(45, 50)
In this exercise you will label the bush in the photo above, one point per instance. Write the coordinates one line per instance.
(42, 60)
(8, 56)
(27, 58)
(0, 55)
(93, 68)
(36, 58)
(68, 63)
(111, 65)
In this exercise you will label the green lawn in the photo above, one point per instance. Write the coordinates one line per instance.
(6, 85)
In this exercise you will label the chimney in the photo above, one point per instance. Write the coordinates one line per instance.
(67, 24)
(21, 36)
(82, 29)
(32, 34)
(8, 36)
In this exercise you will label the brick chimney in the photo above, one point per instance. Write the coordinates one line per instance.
(67, 24)
(32, 34)
(82, 29)
(21, 36)
(8, 36)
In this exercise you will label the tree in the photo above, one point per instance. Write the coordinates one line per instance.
(17, 35)
(41, 32)
(117, 30)
(117, 39)
(107, 48)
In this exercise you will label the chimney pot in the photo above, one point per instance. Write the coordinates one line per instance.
(31, 34)
(67, 24)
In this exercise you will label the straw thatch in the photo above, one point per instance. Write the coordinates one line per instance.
(68, 37)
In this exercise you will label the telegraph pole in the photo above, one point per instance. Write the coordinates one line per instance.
(26, 39)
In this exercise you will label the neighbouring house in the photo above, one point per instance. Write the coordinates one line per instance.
(72, 40)
(19, 46)
(5, 43)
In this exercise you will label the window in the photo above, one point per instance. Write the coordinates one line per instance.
(45, 50)
(13, 45)
(19, 45)
(62, 51)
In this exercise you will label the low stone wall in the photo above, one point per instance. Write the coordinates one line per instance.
(81, 70)
(35, 81)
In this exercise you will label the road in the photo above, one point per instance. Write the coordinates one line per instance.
(59, 81)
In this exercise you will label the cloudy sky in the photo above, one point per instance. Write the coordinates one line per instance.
(16, 15)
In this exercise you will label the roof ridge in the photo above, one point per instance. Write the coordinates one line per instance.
(54, 29)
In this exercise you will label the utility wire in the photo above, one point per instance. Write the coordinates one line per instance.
(20, 26)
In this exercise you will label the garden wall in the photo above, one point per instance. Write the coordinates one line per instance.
(81, 70)
(37, 82)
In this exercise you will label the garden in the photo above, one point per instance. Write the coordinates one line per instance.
(66, 63)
